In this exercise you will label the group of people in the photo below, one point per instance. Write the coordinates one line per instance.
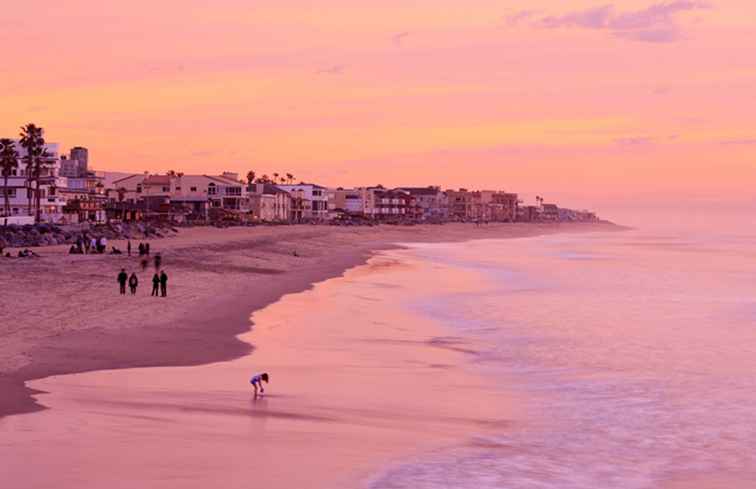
(159, 283)
(25, 253)
(85, 245)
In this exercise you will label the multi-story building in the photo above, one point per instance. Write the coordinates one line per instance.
(268, 203)
(176, 194)
(22, 193)
(460, 204)
(309, 201)
(349, 201)
(75, 165)
(482, 205)
(395, 205)
(432, 201)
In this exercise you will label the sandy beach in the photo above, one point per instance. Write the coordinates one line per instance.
(62, 313)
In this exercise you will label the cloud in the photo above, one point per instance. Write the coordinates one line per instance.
(656, 23)
(634, 141)
(398, 39)
(738, 142)
(332, 70)
(520, 17)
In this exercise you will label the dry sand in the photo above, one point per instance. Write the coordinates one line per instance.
(62, 313)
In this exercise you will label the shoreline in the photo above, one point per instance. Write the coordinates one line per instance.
(211, 308)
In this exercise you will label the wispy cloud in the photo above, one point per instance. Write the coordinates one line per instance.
(738, 142)
(657, 23)
(332, 70)
(635, 141)
(398, 39)
(520, 17)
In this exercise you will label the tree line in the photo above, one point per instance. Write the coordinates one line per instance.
(282, 178)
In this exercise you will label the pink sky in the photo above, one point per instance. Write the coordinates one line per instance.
(584, 99)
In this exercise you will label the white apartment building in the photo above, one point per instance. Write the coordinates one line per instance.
(51, 201)
(309, 201)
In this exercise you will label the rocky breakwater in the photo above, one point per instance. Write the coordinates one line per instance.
(27, 236)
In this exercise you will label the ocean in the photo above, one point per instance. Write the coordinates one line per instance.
(633, 354)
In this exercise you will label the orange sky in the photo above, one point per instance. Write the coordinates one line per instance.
(582, 99)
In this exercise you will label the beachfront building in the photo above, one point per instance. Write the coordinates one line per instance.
(393, 205)
(347, 202)
(459, 204)
(309, 202)
(22, 194)
(179, 196)
(482, 205)
(432, 202)
(495, 206)
(268, 203)
(528, 213)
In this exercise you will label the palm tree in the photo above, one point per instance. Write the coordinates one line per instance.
(275, 178)
(250, 177)
(33, 142)
(40, 163)
(8, 163)
(263, 179)
(290, 178)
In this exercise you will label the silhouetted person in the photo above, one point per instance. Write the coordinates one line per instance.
(122, 278)
(156, 285)
(144, 263)
(147, 249)
(163, 284)
(141, 249)
(158, 261)
(133, 283)
(128, 247)
(87, 244)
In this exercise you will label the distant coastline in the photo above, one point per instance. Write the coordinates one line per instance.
(76, 322)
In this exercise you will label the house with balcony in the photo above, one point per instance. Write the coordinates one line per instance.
(268, 203)
(432, 201)
(395, 205)
(179, 196)
(346, 202)
(309, 202)
(22, 194)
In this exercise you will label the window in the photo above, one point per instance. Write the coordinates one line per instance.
(192, 189)
(317, 193)
(211, 190)
(166, 189)
(178, 188)
(139, 189)
(11, 192)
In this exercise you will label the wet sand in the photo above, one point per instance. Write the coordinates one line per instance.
(357, 383)
(62, 314)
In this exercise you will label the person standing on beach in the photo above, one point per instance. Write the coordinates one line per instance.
(158, 261)
(155, 284)
(163, 284)
(133, 283)
(147, 249)
(87, 244)
(128, 247)
(122, 278)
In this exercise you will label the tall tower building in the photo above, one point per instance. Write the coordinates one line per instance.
(82, 156)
